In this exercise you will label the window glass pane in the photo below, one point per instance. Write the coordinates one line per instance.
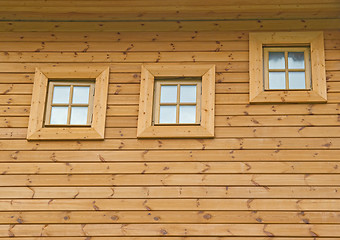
(187, 114)
(297, 80)
(296, 60)
(59, 115)
(168, 94)
(188, 94)
(81, 95)
(277, 80)
(167, 114)
(276, 60)
(61, 94)
(78, 115)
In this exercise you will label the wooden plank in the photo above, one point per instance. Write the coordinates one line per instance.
(332, 76)
(88, 217)
(109, 57)
(198, 13)
(114, 67)
(169, 192)
(16, 100)
(332, 54)
(7, 122)
(280, 120)
(164, 238)
(17, 111)
(168, 144)
(124, 78)
(333, 44)
(232, 25)
(225, 132)
(277, 109)
(16, 89)
(169, 155)
(169, 168)
(264, 230)
(34, 50)
(126, 111)
(154, 12)
(260, 180)
(51, 36)
(13, 133)
(132, 36)
(332, 65)
(121, 3)
(333, 87)
(170, 204)
(244, 98)
(99, 47)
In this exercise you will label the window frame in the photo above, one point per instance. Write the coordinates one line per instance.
(36, 127)
(146, 129)
(72, 84)
(178, 83)
(258, 93)
(286, 70)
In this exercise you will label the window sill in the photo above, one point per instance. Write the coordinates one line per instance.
(300, 96)
(71, 133)
(176, 132)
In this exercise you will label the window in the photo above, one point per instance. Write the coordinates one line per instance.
(176, 101)
(68, 103)
(287, 67)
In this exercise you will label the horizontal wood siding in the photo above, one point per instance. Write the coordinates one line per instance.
(271, 172)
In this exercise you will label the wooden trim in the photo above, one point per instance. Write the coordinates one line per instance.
(206, 128)
(178, 83)
(318, 91)
(71, 83)
(36, 128)
(176, 26)
(286, 50)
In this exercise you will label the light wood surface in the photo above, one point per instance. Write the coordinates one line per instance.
(272, 171)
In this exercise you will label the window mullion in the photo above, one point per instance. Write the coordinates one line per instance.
(70, 105)
(286, 70)
(178, 103)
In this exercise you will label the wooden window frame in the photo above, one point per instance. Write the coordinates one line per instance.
(315, 40)
(286, 70)
(36, 126)
(146, 128)
(178, 83)
(72, 84)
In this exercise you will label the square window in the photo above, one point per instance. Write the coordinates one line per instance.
(287, 67)
(176, 101)
(68, 104)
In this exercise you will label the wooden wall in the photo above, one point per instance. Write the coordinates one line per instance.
(271, 172)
